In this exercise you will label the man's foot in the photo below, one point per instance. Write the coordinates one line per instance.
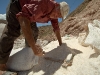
(2, 72)
(3, 67)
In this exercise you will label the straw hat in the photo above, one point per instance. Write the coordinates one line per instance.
(64, 8)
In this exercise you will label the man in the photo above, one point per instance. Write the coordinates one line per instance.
(23, 14)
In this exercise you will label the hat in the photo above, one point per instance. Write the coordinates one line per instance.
(64, 8)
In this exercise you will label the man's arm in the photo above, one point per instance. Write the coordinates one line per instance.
(57, 32)
(27, 31)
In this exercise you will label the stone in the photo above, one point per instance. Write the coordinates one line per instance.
(9, 73)
(22, 60)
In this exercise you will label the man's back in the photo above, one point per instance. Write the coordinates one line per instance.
(36, 10)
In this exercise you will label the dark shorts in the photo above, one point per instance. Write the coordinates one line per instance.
(12, 31)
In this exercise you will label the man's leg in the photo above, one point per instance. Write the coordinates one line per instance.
(6, 43)
(10, 33)
(35, 33)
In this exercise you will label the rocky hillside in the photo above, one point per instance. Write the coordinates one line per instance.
(76, 22)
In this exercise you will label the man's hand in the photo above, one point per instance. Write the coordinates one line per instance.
(39, 51)
(60, 43)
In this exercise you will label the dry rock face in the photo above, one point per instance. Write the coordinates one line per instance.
(77, 22)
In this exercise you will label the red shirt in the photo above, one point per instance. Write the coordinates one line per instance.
(38, 10)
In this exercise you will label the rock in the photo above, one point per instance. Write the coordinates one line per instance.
(69, 57)
(81, 39)
(9, 73)
(93, 37)
(68, 61)
(22, 60)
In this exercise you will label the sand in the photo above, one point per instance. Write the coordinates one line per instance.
(68, 59)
